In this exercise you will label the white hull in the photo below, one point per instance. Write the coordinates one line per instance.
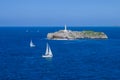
(32, 45)
(47, 56)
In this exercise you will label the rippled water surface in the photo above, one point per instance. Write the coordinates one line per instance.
(72, 60)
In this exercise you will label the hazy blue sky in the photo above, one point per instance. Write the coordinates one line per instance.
(60, 12)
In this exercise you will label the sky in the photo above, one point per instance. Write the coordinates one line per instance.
(59, 12)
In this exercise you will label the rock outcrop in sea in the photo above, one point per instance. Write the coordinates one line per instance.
(72, 35)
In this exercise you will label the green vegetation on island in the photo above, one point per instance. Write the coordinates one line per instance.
(71, 35)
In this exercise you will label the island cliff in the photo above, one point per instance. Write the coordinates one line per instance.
(71, 35)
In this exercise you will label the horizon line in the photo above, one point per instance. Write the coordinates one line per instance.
(59, 25)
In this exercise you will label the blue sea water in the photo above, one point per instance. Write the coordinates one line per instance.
(84, 59)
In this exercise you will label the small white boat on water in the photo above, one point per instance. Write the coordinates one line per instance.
(26, 30)
(31, 44)
(48, 53)
(37, 30)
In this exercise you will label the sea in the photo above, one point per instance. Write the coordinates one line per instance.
(83, 59)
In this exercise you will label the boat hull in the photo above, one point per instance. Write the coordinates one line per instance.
(47, 56)
(32, 45)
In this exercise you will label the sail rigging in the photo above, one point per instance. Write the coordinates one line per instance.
(48, 52)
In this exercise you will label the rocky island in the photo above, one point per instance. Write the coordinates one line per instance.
(72, 35)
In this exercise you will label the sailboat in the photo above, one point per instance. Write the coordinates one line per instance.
(48, 53)
(31, 44)
(37, 30)
(26, 30)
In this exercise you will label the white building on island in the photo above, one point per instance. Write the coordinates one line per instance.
(65, 29)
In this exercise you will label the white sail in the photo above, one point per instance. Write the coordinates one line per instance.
(48, 52)
(31, 44)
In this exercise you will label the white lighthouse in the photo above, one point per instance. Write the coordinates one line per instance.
(65, 30)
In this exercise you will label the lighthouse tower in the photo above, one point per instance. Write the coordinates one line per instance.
(65, 30)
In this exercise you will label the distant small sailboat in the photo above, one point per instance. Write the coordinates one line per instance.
(37, 30)
(31, 44)
(48, 53)
(26, 30)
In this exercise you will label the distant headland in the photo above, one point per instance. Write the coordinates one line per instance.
(72, 35)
